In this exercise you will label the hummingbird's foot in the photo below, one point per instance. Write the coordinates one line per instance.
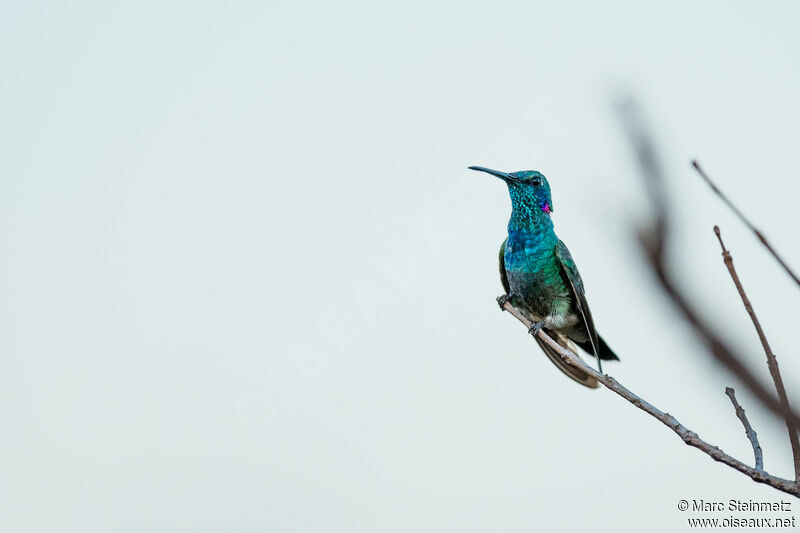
(501, 300)
(536, 328)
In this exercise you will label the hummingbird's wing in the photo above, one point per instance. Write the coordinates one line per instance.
(503, 276)
(579, 296)
(575, 373)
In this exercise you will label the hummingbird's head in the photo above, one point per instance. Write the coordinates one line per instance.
(528, 188)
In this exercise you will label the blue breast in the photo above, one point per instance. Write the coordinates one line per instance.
(532, 252)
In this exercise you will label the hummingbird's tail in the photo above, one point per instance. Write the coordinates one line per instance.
(605, 353)
(575, 373)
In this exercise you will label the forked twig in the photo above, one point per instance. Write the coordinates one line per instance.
(748, 429)
(772, 361)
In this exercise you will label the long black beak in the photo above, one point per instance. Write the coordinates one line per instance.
(496, 173)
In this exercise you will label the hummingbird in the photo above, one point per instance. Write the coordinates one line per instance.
(540, 277)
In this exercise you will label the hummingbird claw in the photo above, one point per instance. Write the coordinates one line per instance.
(536, 328)
(501, 300)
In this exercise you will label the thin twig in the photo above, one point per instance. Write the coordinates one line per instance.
(653, 238)
(746, 222)
(719, 348)
(772, 361)
(689, 437)
(748, 429)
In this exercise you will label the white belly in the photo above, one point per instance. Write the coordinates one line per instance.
(560, 321)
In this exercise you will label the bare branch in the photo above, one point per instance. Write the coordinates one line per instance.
(772, 361)
(746, 222)
(654, 240)
(748, 429)
(689, 437)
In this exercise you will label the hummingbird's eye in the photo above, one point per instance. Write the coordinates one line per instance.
(536, 181)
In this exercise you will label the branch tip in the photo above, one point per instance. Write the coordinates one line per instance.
(748, 429)
(760, 236)
(718, 233)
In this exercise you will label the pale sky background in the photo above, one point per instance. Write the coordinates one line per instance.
(247, 283)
